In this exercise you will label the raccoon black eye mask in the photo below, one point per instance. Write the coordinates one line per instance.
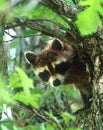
(44, 75)
(59, 68)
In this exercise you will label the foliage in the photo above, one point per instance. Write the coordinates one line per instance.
(89, 20)
(38, 11)
(34, 98)
(4, 90)
(26, 96)
(3, 4)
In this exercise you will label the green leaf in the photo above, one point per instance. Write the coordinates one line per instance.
(28, 99)
(89, 20)
(28, 32)
(3, 90)
(73, 128)
(56, 122)
(20, 79)
(49, 127)
(25, 9)
(67, 117)
(3, 4)
(14, 80)
(4, 127)
(37, 126)
(50, 114)
(29, 95)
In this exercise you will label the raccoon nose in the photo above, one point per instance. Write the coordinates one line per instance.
(56, 82)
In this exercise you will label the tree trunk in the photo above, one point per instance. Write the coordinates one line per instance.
(92, 118)
(97, 106)
(3, 55)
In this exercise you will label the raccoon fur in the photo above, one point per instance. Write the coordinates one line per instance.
(59, 64)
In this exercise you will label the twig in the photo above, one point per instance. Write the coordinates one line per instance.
(21, 36)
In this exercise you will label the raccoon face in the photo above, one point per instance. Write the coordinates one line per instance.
(52, 63)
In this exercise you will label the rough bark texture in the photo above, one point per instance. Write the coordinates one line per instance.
(3, 59)
(90, 49)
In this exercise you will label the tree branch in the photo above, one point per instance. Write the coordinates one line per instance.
(39, 25)
(62, 8)
(51, 28)
(20, 36)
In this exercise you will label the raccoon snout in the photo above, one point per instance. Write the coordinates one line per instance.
(56, 82)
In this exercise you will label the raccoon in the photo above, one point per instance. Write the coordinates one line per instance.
(59, 64)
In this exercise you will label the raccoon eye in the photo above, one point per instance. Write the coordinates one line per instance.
(44, 75)
(62, 67)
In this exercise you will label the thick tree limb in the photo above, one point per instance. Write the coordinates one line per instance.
(62, 8)
(51, 29)
(38, 25)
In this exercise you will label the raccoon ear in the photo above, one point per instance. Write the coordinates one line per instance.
(57, 45)
(30, 57)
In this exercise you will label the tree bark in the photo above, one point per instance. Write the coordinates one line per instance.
(3, 55)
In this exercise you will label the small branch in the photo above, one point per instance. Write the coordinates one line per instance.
(42, 117)
(35, 114)
(21, 36)
(47, 119)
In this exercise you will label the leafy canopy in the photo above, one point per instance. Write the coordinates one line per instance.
(89, 20)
